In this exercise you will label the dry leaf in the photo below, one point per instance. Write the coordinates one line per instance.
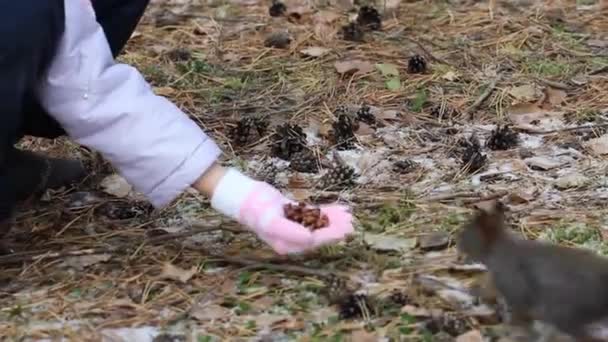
(345, 4)
(164, 91)
(450, 76)
(116, 186)
(525, 93)
(416, 311)
(571, 180)
(81, 262)
(230, 57)
(530, 116)
(355, 65)
(176, 273)
(434, 241)
(314, 51)
(555, 96)
(599, 145)
(543, 163)
(208, 312)
(364, 129)
(389, 243)
(391, 7)
(363, 336)
(471, 336)
(325, 17)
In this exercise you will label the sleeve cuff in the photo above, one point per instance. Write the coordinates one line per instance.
(230, 193)
(185, 175)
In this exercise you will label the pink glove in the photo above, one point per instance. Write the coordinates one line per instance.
(259, 206)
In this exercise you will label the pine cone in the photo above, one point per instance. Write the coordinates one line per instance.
(416, 65)
(268, 174)
(364, 114)
(304, 161)
(399, 298)
(369, 18)
(441, 112)
(246, 130)
(288, 140)
(352, 32)
(351, 306)
(404, 166)
(277, 9)
(344, 132)
(472, 158)
(340, 177)
(502, 138)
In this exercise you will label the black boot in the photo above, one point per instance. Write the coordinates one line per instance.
(32, 174)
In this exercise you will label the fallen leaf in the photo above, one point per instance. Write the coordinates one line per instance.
(525, 93)
(314, 51)
(81, 262)
(543, 163)
(520, 198)
(450, 76)
(393, 84)
(325, 17)
(356, 66)
(416, 311)
(389, 243)
(471, 336)
(364, 129)
(387, 115)
(164, 91)
(345, 4)
(387, 69)
(230, 57)
(434, 241)
(116, 186)
(530, 116)
(173, 272)
(363, 336)
(325, 32)
(390, 7)
(571, 180)
(555, 96)
(599, 145)
(205, 312)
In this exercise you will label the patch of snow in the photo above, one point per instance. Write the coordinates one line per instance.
(530, 141)
(142, 334)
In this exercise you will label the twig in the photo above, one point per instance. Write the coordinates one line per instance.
(599, 70)
(455, 195)
(47, 254)
(252, 263)
(484, 96)
(196, 229)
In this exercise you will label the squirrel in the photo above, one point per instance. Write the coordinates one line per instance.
(562, 287)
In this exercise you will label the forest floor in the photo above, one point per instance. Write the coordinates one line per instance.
(448, 105)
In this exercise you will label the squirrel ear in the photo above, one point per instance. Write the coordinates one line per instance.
(491, 222)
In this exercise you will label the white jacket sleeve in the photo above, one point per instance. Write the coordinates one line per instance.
(109, 107)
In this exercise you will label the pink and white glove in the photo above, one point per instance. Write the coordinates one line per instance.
(259, 206)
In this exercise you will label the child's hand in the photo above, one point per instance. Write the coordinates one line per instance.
(259, 206)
